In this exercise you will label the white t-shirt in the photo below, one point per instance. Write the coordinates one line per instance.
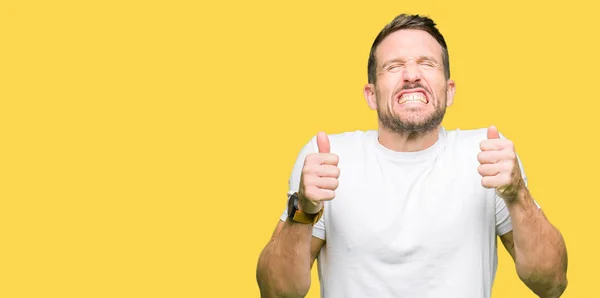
(408, 224)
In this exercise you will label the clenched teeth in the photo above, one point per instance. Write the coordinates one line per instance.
(413, 97)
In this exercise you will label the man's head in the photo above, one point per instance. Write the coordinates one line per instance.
(409, 75)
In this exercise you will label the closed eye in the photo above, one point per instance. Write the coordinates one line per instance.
(428, 63)
(394, 67)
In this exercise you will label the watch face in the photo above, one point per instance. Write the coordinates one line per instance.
(292, 204)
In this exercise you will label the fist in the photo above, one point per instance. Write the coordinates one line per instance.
(319, 178)
(499, 167)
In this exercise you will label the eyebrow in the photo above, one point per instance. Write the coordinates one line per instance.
(420, 58)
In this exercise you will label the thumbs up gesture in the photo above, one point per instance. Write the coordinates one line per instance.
(499, 167)
(319, 178)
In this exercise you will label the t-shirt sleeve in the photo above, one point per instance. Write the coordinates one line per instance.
(503, 220)
(294, 185)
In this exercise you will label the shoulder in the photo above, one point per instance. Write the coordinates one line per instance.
(350, 140)
(475, 134)
(467, 137)
(344, 141)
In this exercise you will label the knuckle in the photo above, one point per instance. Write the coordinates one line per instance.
(308, 181)
(335, 158)
(486, 182)
(328, 196)
(483, 144)
(310, 194)
(308, 159)
(336, 172)
(480, 156)
(307, 169)
(335, 184)
(317, 196)
(327, 183)
(511, 155)
(481, 169)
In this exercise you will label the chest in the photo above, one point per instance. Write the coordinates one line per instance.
(402, 211)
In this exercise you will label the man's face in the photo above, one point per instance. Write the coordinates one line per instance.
(411, 92)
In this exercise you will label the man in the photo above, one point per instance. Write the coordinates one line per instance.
(409, 210)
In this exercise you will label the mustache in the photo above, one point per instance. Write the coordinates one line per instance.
(411, 86)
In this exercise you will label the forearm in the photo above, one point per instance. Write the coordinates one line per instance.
(540, 252)
(285, 263)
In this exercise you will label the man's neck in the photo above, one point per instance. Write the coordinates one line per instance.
(408, 142)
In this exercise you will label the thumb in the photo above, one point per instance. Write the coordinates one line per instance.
(323, 142)
(492, 133)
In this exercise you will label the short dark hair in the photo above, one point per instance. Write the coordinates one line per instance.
(406, 21)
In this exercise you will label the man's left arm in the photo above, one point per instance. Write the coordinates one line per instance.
(536, 246)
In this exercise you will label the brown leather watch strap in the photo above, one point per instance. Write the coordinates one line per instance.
(302, 217)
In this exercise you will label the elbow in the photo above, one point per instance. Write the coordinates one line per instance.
(275, 291)
(549, 283)
(277, 288)
(555, 289)
(274, 284)
(561, 286)
(547, 276)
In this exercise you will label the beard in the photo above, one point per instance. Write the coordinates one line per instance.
(416, 126)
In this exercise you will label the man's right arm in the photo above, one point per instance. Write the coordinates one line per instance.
(284, 266)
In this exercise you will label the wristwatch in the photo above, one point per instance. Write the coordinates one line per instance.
(298, 216)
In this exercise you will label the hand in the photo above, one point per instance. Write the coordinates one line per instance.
(499, 166)
(319, 178)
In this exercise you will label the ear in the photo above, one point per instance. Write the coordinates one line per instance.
(369, 93)
(450, 91)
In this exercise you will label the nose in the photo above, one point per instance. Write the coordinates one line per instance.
(412, 73)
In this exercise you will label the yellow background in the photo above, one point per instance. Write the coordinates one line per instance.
(145, 146)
